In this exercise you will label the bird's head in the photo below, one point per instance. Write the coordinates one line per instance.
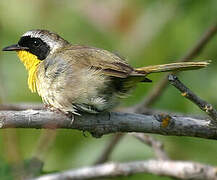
(35, 46)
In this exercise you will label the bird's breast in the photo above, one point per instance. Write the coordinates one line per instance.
(31, 62)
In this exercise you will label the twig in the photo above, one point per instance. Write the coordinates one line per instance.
(106, 153)
(176, 169)
(105, 123)
(187, 93)
(161, 86)
(156, 145)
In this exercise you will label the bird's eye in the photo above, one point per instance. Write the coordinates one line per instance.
(36, 43)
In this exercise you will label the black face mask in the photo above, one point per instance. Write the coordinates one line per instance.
(36, 46)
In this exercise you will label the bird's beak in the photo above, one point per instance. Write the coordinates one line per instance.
(14, 47)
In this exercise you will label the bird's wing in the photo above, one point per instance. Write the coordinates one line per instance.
(109, 63)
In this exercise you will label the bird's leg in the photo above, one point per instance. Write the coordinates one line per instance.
(47, 106)
(70, 115)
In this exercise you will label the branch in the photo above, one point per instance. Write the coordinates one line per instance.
(106, 153)
(187, 93)
(156, 145)
(21, 107)
(116, 138)
(105, 123)
(176, 169)
(161, 85)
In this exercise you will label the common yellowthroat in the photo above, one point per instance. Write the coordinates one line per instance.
(74, 78)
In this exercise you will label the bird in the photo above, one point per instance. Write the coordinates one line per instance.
(75, 78)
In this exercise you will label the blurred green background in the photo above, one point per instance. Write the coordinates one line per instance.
(145, 32)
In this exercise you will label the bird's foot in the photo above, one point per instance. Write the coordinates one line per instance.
(71, 116)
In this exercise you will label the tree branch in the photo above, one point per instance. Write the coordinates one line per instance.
(176, 169)
(161, 85)
(105, 123)
(156, 145)
(21, 107)
(187, 93)
(106, 153)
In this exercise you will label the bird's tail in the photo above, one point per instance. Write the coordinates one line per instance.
(180, 66)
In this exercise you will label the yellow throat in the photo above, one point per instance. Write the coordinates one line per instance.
(31, 63)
